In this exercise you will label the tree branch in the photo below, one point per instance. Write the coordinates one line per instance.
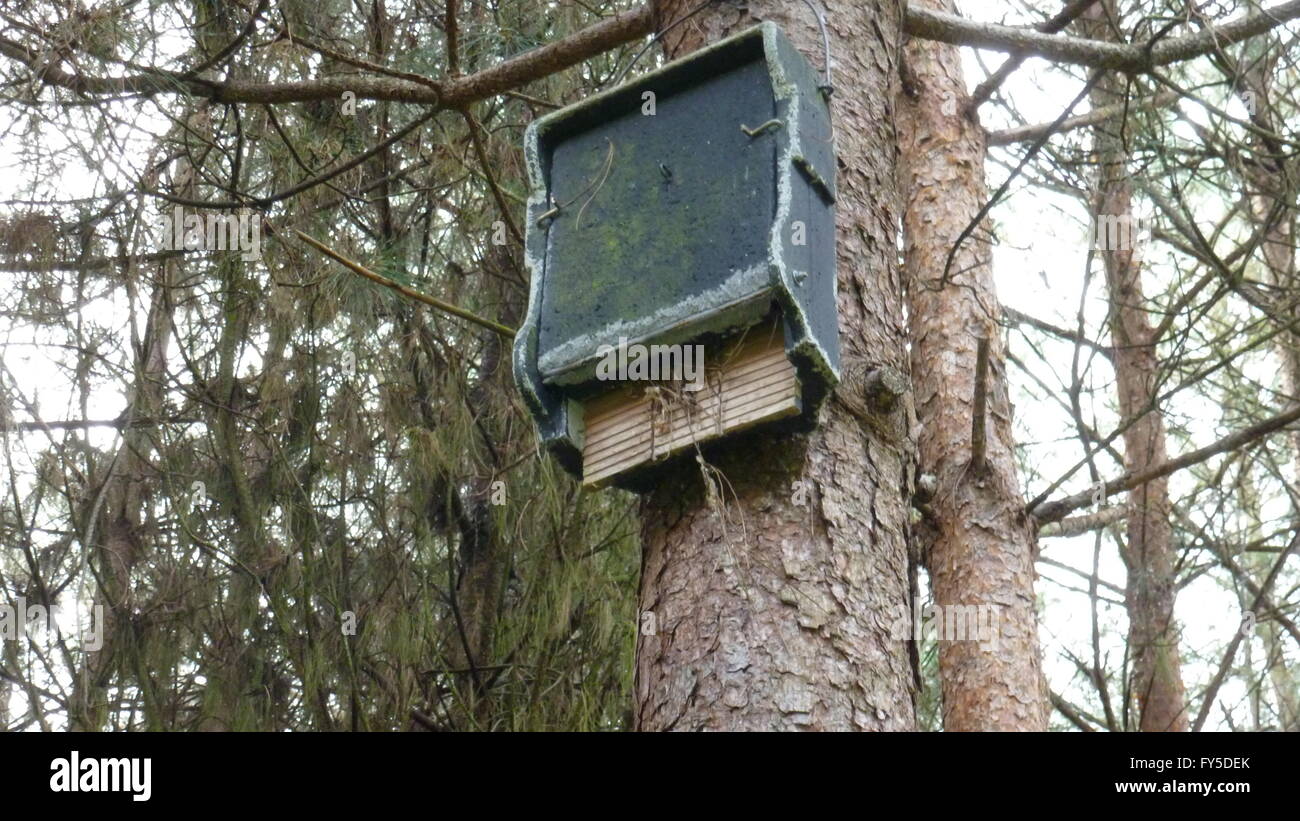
(1078, 525)
(410, 293)
(121, 423)
(1068, 710)
(89, 263)
(1226, 662)
(1062, 19)
(1025, 133)
(456, 92)
(1136, 59)
(978, 403)
(1060, 508)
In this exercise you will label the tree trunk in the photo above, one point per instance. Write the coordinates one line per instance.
(978, 542)
(1156, 684)
(774, 579)
(1270, 183)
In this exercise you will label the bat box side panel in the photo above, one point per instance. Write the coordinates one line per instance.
(803, 237)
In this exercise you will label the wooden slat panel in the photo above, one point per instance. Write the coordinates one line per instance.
(621, 400)
(615, 422)
(597, 474)
(640, 451)
(704, 415)
(734, 397)
(750, 383)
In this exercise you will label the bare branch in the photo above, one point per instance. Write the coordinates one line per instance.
(957, 30)
(1060, 508)
(1025, 133)
(453, 93)
(410, 293)
(1078, 525)
(979, 405)
(1062, 19)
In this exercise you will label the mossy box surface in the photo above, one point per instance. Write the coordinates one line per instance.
(685, 223)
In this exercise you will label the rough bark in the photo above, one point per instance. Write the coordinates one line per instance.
(1155, 686)
(978, 542)
(775, 579)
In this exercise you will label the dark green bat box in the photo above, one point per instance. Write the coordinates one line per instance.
(691, 222)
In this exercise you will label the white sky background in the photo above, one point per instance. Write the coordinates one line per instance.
(1039, 266)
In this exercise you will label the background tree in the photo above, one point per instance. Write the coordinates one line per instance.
(1156, 684)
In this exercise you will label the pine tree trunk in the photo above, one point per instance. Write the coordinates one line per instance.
(774, 602)
(978, 541)
(1156, 684)
(1273, 207)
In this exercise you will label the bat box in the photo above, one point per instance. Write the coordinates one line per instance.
(684, 218)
